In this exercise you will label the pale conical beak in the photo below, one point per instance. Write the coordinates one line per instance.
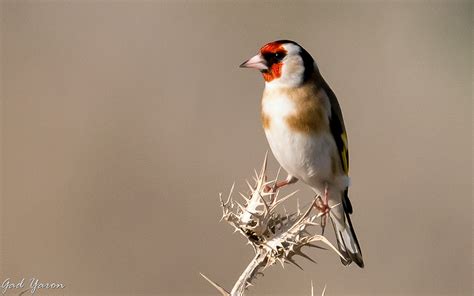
(256, 62)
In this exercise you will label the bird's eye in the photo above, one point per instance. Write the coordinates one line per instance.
(278, 56)
(274, 57)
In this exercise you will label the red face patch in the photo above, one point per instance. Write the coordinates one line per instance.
(273, 73)
(270, 52)
(272, 47)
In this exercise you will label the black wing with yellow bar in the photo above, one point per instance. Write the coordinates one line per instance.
(338, 130)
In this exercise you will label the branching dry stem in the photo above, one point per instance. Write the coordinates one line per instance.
(274, 236)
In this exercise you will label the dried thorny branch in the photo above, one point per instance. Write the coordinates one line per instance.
(274, 236)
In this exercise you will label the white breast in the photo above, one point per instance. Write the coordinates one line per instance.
(305, 156)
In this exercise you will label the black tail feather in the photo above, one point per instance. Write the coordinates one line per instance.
(347, 235)
(356, 257)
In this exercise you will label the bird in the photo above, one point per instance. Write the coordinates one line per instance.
(304, 127)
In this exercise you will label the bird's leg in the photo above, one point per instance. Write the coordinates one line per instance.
(322, 205)
(282, 183)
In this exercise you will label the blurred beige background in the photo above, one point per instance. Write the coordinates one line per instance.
(121, 123)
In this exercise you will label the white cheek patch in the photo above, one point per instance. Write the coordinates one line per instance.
(291, 49)
(293, 71)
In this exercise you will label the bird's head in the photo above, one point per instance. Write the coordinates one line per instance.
(282, 63)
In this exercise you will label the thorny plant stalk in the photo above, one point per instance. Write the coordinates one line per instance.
(274, 236)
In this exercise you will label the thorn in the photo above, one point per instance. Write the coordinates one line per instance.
(248, 184)
(220, 198)
(262, 171)
(282, 263)
(231, 189)
(279, 201)
(219, 288)
(268, 264)
(265, 205)
(301, 219)
(324, 291)
(315, 246)
(244, 197)
(317, 237)
(270, 193)
(229, 197)
(312, 288)
(257, 214)
(278, 174)
(268, 183)
(294, 263)
(242, 208)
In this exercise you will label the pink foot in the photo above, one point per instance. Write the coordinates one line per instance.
(323, 207)
(280, 184)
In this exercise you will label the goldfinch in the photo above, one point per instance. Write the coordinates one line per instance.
(305, 130)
